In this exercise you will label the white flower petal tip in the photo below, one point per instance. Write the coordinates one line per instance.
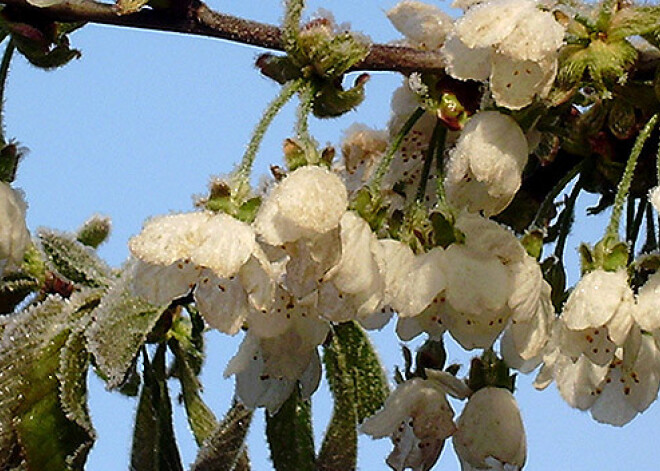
(308, 202)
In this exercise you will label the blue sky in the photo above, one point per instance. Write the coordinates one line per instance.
(138, 125)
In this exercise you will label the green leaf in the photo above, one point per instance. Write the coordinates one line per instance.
(121, 325)
(154, 446)
(225, 448)
(359, 387)
(43, 365)
(72, 260)
(290, 435)
(201, 419)
(634, 21)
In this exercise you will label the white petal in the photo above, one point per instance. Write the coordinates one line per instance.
(166, 239)
(579, 382)
(308, 202)
(595, 299)
(161, 284)
(654, 197)
(465, 63)
(647, 311)
(515, 83)
(489, 23)
(14, 235)
(226, 244)
(535, 38)
(222, 302)
(426, 25)
(488, 239)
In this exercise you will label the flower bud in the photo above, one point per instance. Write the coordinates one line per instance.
(490, 430)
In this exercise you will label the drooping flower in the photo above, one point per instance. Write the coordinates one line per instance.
(213, 253)
(14, 235)
(485, 168)
(511, 42)
(424, 26)
(418, 419)
(307, 203)
(490, 432)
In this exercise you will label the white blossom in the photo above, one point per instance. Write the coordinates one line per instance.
(647, 311)
(490, 432)
(418, 419)
(425, 26)
(213, 253)
(601, 299)
(485, 168)
(654, 197)
(14, 235)
(511, 42)
(308, 202)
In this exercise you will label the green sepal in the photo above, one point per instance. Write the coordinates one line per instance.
(332, 57)
(290, 435)
(121, 325)
(490, 371)
(73, 261)
(587, 258)
(10, 155)
(370, 207)
(201, 419)
(331, 100)
(555, 274)
(606, 62)
(610, 254)
(225, 448)
(622, 121)
(154, 446)
(443, 230)
(634, 21)
(278, 68)
(248, 210)
(532, 240)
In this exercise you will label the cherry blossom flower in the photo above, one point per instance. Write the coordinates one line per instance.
(307, 203)
(512, 43)
(213, 253)
(418, 418)
(490, 433)
(424, 26)
(484, 170)
(14, 235)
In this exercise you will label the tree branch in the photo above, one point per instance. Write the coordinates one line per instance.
(200, 20)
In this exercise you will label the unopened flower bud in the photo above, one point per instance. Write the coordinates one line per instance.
(490, 430)
(94, 231)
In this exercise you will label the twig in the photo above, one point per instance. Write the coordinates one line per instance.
(200, 20)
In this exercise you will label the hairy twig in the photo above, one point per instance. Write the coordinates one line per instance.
(200, 20)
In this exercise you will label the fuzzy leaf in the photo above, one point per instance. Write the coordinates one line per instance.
(154, 446)
(225, 448)
(72, 260)
(359, 388)
(290, 435)
(201, 419)
(121, 325)
(634, 21)
(604, 61)
(14, 288)
(43, 369)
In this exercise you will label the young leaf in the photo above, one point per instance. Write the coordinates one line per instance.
(201, 419)
(40, 362)
(359, 387)
(290, 435)
(154, 446)
(121, 325)
(72, 260)
(225, 448)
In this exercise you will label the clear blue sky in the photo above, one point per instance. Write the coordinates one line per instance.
(138, 125)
